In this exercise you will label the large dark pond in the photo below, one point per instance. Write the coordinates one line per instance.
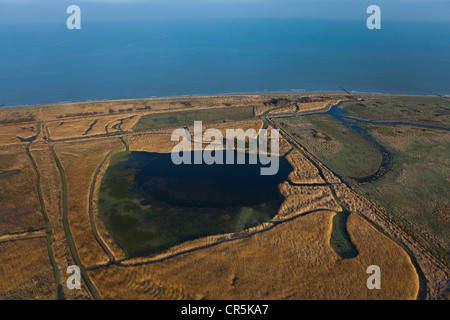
(149, 204)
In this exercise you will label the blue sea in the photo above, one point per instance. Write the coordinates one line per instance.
(47, 63)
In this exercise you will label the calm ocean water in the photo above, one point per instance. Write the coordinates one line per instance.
(41, 64)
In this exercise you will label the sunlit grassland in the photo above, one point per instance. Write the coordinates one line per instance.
(417, 188)
(187, 118)
(428, 111)
(290, 261)
(335, 145)
(26, 272)
(8, 173)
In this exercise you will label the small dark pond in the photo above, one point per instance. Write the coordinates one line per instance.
(150, 204)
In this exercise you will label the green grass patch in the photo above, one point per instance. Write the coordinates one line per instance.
(428, 111)
(187, 118)
(337, 146)
(340, 241)
(417, 188)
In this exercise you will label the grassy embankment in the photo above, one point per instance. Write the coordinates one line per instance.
(68, 232)
(415, 190)
(59, 290)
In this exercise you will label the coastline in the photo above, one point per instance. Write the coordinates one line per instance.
(245, 94)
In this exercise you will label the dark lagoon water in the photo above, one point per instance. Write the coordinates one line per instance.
(149, 204)
(47, 63)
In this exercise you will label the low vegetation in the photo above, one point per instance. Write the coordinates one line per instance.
(428, 111)
(328, 229)
(340, 240)
(186, 118)
(415, 192)
(335, 145)
(284, 262)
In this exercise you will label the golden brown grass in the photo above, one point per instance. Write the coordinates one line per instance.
(303, 199)
(125, 107)
(73, 128)
(285, 147)
(159, 141)
(91, 126)
(245, 125)
(51, 187)
(26, 271)
(261, 107)
(23, 235)
(156, 141)
(305, 172)
(311, 106)
(126, 124)
(289, 109)
(80, 160)
(10, 134)
(20, 210)
(197, 244)
(290, 261)
(255, 124)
